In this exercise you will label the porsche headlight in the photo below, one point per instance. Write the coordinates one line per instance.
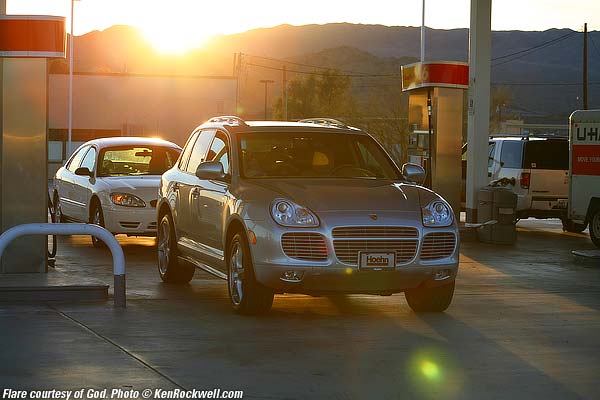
(437, 213)
(126, 200)
(288, 213)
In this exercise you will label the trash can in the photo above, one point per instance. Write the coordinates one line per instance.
(499, 204)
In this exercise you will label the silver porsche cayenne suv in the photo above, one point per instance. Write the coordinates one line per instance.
(312, 207)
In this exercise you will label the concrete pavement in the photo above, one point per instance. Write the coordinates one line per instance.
(524, 324)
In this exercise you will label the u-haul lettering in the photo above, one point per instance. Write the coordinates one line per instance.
(587, 133)
(584, 174)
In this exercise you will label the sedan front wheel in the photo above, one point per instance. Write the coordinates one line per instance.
(97, 218)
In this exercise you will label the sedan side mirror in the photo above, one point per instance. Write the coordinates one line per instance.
(210, 170)
(413, 173)
(83, 171)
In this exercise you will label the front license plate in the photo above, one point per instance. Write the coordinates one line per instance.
(562, 203)
(377, 261)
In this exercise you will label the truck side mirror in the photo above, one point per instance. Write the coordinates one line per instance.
(210, 170)
(413, 173)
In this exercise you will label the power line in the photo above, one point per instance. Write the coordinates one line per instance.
(395, 76)
(531, 50)
(534, 47)
(302, 64)
(543, 83)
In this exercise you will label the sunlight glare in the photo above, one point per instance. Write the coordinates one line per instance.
(178, 28)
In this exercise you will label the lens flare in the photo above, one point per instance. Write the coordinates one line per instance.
(436, 373)
(430, 370)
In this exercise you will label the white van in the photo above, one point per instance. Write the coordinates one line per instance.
(539, 168)
(584, 171)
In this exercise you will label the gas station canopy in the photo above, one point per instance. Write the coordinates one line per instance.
(40, 36)
(435, 74)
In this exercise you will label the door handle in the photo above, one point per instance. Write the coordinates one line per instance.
(175, 187)
(195, 193)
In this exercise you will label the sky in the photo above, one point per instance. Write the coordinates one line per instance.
(190, 22)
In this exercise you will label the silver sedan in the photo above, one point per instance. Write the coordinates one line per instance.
(312, 207)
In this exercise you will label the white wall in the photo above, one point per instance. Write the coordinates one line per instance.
(165, 106)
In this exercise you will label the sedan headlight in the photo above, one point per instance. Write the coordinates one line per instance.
(127, 200)
(437, 213)
(288, 213)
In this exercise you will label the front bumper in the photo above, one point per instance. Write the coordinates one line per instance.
(332, 279)
(130, 220)
(270, 262)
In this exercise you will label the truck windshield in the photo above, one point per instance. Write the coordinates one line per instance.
(314, 155)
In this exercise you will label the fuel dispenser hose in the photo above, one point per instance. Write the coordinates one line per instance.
(52, 252)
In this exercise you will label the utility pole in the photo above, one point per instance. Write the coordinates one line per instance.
(70, 122)
(284, 97)
(585, 96)
(237, 72)
(423, 32)
(266, 82)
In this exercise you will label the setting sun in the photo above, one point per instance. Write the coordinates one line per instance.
(176, 32)
(174, 39)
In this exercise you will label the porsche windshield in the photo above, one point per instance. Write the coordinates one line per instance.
(314, 155)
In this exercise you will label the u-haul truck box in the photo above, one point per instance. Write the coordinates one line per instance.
(584, 170)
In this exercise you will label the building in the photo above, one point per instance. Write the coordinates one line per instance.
(122, 104)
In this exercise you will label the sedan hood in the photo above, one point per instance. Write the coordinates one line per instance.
(145, 187)
(325, 195)
(132, 182)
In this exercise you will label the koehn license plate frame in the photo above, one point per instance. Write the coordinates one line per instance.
(376, 261)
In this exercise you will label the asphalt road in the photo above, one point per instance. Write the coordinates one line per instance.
(524, 324)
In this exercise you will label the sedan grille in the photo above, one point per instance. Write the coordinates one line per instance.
(307, 246)
(438, 245)
(349, 241)
(129, 225)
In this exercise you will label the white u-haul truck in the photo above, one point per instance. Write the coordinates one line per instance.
(584, 170)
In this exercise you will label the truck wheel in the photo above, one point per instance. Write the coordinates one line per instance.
(595, 226)
(169, 267)
(570, 226)
(246, 294)
(434, 299)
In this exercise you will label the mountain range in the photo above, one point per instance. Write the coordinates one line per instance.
(542, 71)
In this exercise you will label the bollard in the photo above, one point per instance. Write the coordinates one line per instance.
(77, 229)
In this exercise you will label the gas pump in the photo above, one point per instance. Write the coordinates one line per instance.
(437, 93)
(26, 43)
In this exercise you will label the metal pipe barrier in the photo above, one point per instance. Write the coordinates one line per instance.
(76, 229)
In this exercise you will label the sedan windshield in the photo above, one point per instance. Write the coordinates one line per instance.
(136, 160)
(314, 155)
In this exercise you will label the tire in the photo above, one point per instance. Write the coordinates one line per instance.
(570, 226)
(595, 226)
(247, 296)
(169, 267)
(58, 215)
(97, 218)
(434, 299)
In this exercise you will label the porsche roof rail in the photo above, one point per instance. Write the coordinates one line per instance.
(325, 121)
(228, 119)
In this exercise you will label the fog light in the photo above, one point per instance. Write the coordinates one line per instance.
(442, 274)
(291, 276)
